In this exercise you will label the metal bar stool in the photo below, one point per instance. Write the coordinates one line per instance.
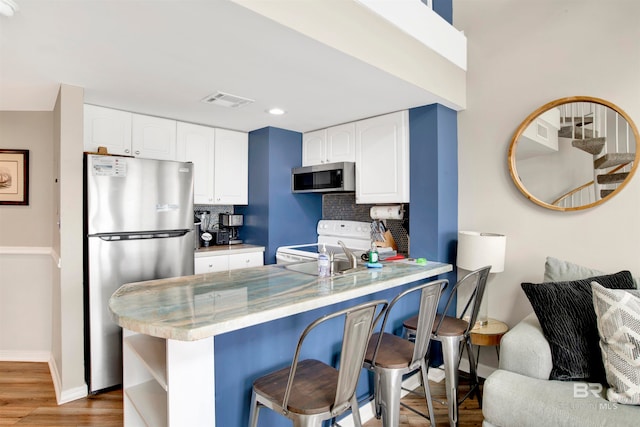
(309, 391)
(453, 333)
(390, 356)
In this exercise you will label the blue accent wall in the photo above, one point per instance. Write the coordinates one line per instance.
(433, 221)
(245, 355)
(444, 8)
(277, 217)
(274, 216)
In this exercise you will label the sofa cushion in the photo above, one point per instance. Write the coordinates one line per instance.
(557, 270)
(525, 350)
(514, 400)
(618, 319)
(565, 311)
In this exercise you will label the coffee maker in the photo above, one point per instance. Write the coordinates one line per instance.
(231, 223)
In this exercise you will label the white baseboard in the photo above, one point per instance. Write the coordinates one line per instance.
(483, 370)
(24, 356)
(64, 396)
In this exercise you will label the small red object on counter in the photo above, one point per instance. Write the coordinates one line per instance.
(394, 258)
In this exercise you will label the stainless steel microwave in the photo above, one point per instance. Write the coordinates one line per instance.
(324, 178)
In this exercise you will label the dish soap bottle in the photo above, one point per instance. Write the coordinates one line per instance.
(373, 254)
(323, 263)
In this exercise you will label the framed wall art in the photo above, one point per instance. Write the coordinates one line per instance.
(14, 177)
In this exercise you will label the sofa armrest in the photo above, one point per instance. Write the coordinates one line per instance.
(524, 350)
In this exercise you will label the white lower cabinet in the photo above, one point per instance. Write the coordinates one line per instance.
(210, 264)
(246, 260)
(228, 260)
(161, 379)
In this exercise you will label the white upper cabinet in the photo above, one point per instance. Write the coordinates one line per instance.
(231, 168)
(220, 162)
(314, 147)
(195, 144)
(129, 134)
(153, 137)
(341, 143)
(382, 159)
(105, 127)
(334, 144)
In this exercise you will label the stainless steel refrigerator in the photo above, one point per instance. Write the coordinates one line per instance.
(138, 226)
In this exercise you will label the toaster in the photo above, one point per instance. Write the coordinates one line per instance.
(231, 220)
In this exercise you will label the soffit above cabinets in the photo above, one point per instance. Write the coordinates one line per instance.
(325, 63)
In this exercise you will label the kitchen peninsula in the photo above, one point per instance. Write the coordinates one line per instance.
(193, 345)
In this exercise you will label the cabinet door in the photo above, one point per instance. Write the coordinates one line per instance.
(104, 127)
(196, 144)
(210, 264)
(153, 137)
(314, 148)
(341, 143)
(245, 260)
(382, 159)
(231, 168)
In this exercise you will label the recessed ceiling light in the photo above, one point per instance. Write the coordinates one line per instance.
(276, 111)
(8, 7)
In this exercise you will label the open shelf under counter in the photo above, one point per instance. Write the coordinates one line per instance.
(191, 313)
(152, 353)
(150, 402)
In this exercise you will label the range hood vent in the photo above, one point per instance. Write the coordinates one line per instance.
(226, 100)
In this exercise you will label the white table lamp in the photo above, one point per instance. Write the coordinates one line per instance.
(476, 250)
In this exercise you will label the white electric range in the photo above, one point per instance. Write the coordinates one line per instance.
(355, 235)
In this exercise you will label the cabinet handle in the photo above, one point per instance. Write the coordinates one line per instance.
(127, 151)
(137, 151)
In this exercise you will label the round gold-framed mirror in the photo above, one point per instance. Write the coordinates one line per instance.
(574, 153)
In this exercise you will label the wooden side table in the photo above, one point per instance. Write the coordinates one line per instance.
(488, 335)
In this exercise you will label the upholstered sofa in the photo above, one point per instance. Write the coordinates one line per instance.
(520, 393)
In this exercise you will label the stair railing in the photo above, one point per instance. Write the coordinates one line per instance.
(590, 121)
(582, 192)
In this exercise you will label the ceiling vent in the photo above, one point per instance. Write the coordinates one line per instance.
(227, 100)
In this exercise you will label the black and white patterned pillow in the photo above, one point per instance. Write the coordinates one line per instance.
(618, 318)
(568, 321)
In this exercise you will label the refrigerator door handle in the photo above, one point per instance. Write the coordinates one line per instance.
(140, 235)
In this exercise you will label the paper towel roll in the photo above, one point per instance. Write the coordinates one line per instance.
(386, 212)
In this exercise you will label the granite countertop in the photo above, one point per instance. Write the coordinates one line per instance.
(194, 307)
(227, 249)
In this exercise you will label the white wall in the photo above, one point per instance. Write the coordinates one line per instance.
(67, 363)
(521, 56)
(25, 243)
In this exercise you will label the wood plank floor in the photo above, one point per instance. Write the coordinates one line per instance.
(27, 398)
(469, 412)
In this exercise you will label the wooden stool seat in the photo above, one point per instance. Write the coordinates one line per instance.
(453, 333)
(391, 357)
(394, 352)
(451, 326)
(310, 392)
(313, 390)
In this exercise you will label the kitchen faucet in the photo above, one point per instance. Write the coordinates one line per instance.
(353, 259)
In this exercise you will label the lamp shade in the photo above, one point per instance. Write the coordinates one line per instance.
(476, 250)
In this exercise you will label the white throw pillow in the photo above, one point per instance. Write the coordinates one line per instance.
(618, 318)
